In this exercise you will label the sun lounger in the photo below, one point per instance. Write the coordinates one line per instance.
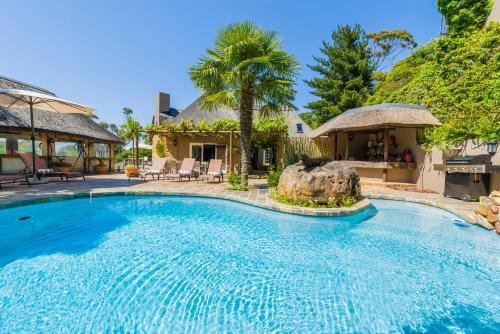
(157, 169)
(214, 171)
(186, 170)
(13, 179)
(41, 169)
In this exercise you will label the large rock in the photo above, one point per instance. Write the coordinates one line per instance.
(319, 183)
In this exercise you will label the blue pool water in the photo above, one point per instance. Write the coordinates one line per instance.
(177, 264)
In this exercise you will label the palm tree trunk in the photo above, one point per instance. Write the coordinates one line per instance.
(246, 118)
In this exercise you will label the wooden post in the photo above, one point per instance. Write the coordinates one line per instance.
(335, 147)
(110, 148)
(386, 154)
(346, 146)
(230, 152)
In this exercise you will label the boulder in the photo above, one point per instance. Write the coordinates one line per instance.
(482, 209)
(491, 217)
(319, 183)
(480, 220)
(485, 200)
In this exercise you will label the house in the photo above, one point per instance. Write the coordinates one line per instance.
(382, 143)
(223, 146)
(71, 140)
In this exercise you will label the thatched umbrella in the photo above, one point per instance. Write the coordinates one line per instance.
(24, 98)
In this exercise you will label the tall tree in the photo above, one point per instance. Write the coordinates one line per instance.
(246, 69)
(345, 74)
(387, 45)
(130, 130)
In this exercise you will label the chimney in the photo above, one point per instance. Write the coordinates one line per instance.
(162, 104)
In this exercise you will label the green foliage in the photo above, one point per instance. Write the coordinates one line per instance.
(458, 78)
(160, 149)
(268, 132)
(265, 132)
(235, 182)
(244, 53)
(464, 15)
(345, 75)
(127, 153)
(341, 201)
(273, 177)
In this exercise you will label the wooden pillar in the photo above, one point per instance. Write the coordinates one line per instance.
(335, 138)
(386, 154)
(346, 146)
(230, 169)
(110, 153)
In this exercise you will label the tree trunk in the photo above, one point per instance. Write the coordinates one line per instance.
(246, 118)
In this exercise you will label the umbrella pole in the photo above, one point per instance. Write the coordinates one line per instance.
(32, 136)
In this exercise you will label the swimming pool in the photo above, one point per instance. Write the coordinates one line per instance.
(182, 264)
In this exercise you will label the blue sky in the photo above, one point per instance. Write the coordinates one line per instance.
(111, 54)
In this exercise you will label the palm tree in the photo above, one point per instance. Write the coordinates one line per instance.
(247, 69)
(130, 130)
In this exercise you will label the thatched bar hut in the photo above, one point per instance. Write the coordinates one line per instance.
(69, 141)
(380, 141)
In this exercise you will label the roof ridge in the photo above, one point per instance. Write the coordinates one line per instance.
(19, 82)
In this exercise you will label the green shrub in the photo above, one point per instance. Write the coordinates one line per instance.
(234, 180)
(273, 177)
(341, 201)
(160, 149)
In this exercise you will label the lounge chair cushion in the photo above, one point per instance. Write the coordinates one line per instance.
(154, 171)
(214, 173)
(185, 172)
(45, 171)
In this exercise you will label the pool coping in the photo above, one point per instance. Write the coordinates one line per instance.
(270, 204)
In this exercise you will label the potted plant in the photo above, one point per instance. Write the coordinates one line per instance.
(131, 170)
(101, 168)
(61, 166)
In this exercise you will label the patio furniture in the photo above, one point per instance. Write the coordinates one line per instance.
(13, 179)
(214, 171)
(157, 168)
(186, 170)
(41, 169)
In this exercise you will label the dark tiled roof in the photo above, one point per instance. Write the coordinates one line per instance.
(63, 123)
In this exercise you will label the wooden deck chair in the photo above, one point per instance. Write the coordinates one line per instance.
(186, 170)
(41, 169)
(214, 171)
(157, 168)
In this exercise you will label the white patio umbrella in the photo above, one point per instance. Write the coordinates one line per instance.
(23, 98)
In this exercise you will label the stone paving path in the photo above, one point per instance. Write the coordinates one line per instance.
(117, 183)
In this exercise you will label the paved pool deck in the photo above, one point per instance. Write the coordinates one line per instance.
(12, 195)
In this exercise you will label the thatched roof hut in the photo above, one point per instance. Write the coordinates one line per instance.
(16, 119)
(380, 116)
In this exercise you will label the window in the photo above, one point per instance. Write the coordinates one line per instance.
(66, 149)
(101, 150)
(24, 145)
(299, 128)
(268, 157)
(196, 151)
(3, 146)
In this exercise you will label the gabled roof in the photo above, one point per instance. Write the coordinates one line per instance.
(194, 112)
(379, 116)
